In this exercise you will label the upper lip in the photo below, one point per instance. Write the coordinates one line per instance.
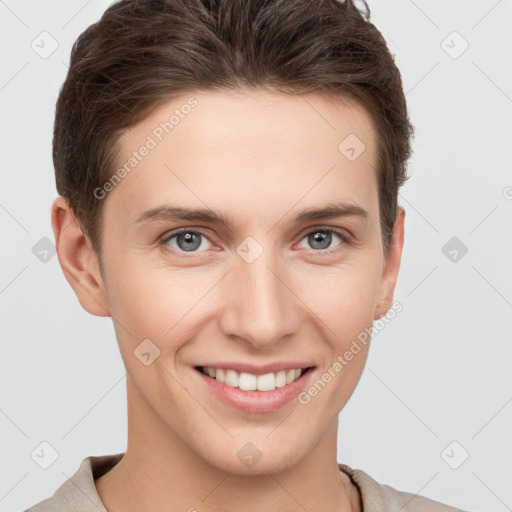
(258, 369)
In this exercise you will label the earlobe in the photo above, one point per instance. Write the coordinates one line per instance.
(78, 260)
(391, 266)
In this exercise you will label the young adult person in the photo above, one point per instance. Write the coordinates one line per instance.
(228, 173)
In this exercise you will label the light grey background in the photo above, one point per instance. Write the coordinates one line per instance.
(439, 372)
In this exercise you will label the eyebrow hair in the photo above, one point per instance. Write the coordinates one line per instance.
(167, 212)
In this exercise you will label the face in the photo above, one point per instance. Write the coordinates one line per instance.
(282, 269)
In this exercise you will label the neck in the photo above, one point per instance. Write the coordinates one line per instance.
(159, 473)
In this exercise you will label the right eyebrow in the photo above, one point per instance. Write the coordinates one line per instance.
(178, 213)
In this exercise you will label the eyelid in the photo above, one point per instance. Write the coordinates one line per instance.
(171, 234)
(344, 235)
(346, 238)
(342, 232)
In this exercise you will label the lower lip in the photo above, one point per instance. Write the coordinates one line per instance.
(256, 402)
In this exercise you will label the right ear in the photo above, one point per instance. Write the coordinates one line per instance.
(78, 260)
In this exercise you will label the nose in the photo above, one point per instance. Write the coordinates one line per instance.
(259, 304)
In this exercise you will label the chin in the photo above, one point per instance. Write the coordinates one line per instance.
(260, 456)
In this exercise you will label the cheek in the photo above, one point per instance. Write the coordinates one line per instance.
(157, 303)
(344, 298)
(345, 302)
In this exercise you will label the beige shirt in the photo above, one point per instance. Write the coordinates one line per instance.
(78, 493)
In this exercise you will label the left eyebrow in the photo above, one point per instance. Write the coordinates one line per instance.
(167, 212)
(332, 210)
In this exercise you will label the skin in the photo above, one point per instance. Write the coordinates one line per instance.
(259, 158)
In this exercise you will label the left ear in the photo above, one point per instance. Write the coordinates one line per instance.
(391, 266)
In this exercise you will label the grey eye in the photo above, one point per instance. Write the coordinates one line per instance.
(321, 239)
(188, 241)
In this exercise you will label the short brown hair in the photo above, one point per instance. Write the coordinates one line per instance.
(143, 52)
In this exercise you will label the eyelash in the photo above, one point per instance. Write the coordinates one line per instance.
(328, 230)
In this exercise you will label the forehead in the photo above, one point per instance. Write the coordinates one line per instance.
(205, 147)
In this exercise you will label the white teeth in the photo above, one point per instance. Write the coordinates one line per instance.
(266, 382)
(249, 382)
(280, 379)
(231, 378)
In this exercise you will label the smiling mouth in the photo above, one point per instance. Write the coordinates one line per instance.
(250, 382)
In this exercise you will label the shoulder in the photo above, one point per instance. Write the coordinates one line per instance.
(376, 496)
(79, 491)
